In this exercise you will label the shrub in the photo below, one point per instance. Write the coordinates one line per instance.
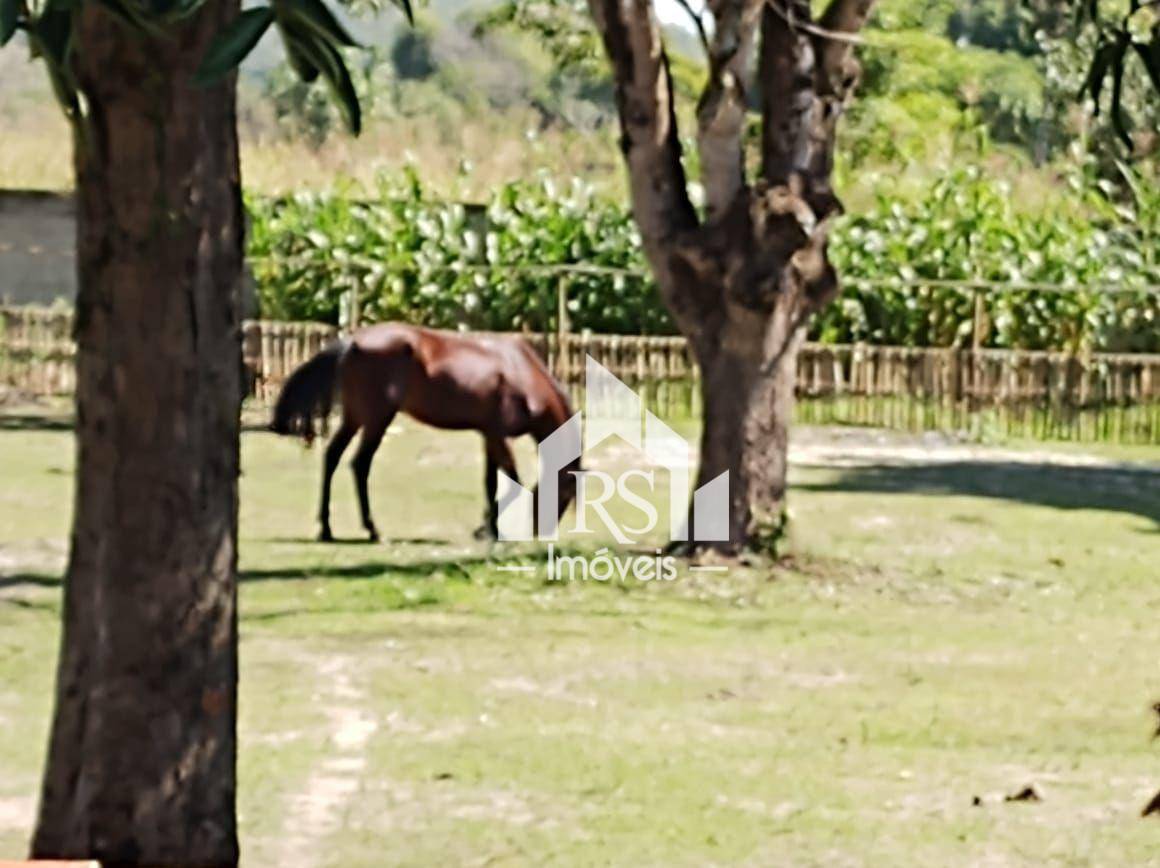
(407, 256)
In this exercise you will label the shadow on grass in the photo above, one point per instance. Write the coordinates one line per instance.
(1131, 490)
(422, 568)
(35, 422)
(360, 541)
(29, 580)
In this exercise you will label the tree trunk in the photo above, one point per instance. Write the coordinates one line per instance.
(741, 280)
(749, 367)
(141, 765)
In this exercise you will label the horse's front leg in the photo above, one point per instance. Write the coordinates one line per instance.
(498, 457)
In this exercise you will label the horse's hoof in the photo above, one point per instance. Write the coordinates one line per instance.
(372, 536)
(325, 535)
(483, 532)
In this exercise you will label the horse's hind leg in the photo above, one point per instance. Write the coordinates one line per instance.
(499, 457)
(334, 450)
(372, 436)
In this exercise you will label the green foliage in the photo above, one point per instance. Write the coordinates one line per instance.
(996, 24)
(439, 74)
(1118, 40)
(411, 257)
(965, 228)
(929, 15)
(1104, 118)
(412, 54)
(920, 90)
(564, 27)
(1017, 66)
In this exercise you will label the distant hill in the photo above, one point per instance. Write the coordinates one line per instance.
(943, 82)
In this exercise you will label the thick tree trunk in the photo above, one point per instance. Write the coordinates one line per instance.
(142, 751)
(749, 366)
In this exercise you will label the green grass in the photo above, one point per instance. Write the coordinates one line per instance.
(939, 633)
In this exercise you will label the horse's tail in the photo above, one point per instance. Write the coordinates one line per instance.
(309, 393)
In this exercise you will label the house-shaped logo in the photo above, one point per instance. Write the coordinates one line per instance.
(612, 408)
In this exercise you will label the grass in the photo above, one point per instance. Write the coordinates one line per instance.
(466, 162)
(941, 632)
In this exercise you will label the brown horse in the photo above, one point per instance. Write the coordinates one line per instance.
(492, 384)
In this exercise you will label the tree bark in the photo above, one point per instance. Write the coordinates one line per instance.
(747, 393)
(141, 764)
(742, 282)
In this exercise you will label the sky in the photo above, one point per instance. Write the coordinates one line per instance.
(670, 12)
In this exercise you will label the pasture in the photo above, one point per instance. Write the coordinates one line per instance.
(953, 624)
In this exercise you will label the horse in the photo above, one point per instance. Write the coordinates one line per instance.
(496, 385)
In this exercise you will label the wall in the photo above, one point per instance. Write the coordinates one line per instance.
(37, 247)
(38, 251)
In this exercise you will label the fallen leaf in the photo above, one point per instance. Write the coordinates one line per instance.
(1027, 794)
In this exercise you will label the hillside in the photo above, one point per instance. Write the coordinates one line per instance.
(944, 84)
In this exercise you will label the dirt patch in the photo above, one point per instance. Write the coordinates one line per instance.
(858, 447)
(840, 447)
(320, 809)
(17, 813)
(557, 690)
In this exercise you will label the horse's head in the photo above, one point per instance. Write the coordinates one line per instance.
(292, 424)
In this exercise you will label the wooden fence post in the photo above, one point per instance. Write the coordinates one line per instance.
(355, 313)
(562, 329)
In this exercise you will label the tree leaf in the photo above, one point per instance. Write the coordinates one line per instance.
(1150, 56)
(325, 57)
(1094, 82)
(317, 15)
(405, 5)
(341, 85)
(50, 37)
(174, 10)
(299, 62)
(1118, 123)
(9, 19)
(233, 44)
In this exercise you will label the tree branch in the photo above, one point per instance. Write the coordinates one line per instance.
(786, 70)
(815, 29)
(721, 109)
(808, 74)
(649, 137)
(842, 18)
(698, 23)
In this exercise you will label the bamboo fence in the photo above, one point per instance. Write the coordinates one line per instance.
(1044, 395)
